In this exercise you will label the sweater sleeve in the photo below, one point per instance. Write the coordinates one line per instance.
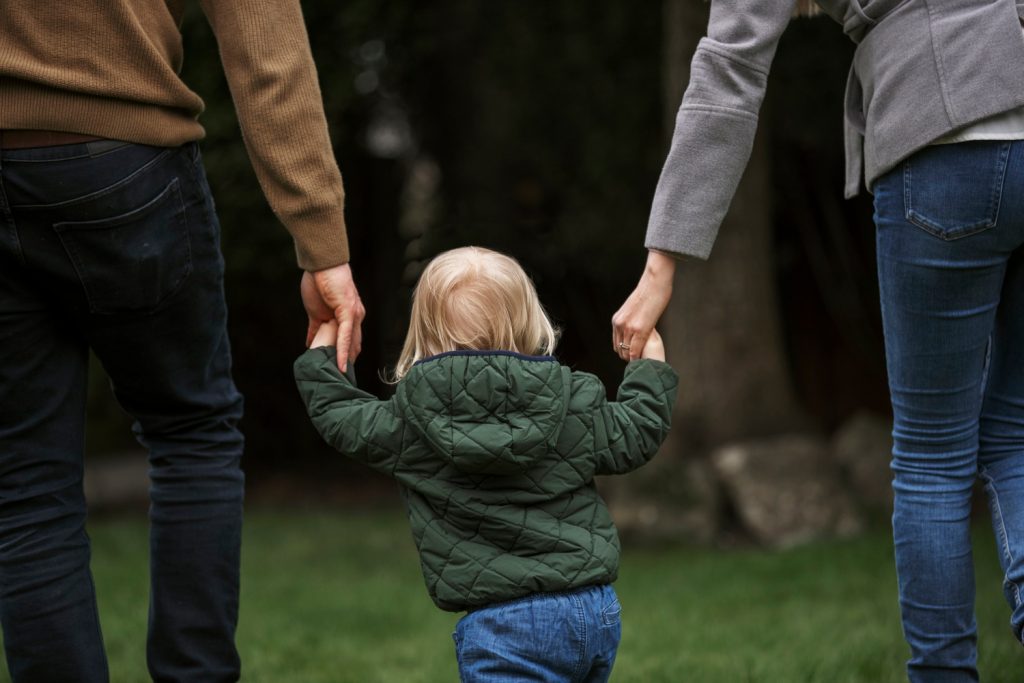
(715, 126)
(629, 431)
(354, 422)
(273, 82)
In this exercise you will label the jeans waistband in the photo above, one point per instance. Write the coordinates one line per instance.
(531, 596)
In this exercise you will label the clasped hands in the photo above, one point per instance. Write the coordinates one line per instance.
(330, 296)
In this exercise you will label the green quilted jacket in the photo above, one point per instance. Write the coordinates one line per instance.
(496, 453)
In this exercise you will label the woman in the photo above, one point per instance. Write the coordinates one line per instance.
(935, 126)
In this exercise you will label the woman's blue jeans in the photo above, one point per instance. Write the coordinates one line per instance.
(950, 229)
(564, 637)
(115, 247)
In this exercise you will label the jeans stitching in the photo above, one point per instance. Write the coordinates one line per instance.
(70, 245)
(81, 150)
(10, 226)
(104, 147)
(612, 613)
(949, 234)
(458, 652)
(195, 165)
(581, 614)
(96, 625)
(907, 204)
(127, 180)
(986, 368)
(996, 201)
(1003, 537)
(16, 160)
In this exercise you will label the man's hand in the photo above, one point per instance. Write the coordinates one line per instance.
(632, 324)
(331, 295)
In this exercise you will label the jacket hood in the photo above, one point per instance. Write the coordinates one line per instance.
(488, 412)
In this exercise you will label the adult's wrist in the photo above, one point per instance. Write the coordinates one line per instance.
(660, 267)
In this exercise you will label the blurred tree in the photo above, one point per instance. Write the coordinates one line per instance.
(723, 329)
(535, 128)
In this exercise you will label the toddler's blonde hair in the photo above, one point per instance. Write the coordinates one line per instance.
(475, 299)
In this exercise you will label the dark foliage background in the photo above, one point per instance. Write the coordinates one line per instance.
(535, 128)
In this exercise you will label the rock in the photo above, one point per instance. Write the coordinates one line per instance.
(787, 490)
(670, 499)
(863, 449)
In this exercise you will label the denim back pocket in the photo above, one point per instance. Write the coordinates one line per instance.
(134, 261)
(954, 191)
(611, 613)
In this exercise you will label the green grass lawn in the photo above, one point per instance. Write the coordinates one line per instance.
(337, 596)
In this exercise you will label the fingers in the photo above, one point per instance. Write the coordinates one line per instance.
(327, 335)
(624, 337)
(654, 348)
(331, 294)
(344, 341)
(316, 310)
(631, 349)
(623, 348)
(352, 320)
(311, 329)
(619, 334)
(357, 339)
(619, 345)
(636, 346)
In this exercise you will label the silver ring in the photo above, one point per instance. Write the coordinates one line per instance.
(624, 346)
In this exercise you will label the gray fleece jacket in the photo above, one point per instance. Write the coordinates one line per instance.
(922, 69)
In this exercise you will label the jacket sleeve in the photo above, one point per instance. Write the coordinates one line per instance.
(715, 126)
(351, 420)
(629, 431)
(269, 67)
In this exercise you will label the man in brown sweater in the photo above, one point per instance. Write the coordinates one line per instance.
(109, 241)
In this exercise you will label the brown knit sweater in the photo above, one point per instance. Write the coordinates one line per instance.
(110, 68)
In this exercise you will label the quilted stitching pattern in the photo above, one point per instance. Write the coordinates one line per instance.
(496, 457)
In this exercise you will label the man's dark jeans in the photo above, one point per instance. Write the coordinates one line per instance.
(115, 247)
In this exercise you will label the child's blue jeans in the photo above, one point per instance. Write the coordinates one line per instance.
(570, 636)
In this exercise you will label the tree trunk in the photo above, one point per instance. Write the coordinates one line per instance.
(722, 334)
(723, 326)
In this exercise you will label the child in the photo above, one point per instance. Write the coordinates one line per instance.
(495, 446)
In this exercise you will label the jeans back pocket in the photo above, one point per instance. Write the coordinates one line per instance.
(611, 613)
(132, 262)
(954, 190)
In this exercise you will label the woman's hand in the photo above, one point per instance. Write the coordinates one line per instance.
(633, 323)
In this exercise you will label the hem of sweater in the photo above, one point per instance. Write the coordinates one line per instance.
(875, 168)
(320, 242)
(679, 251)
(980, 137)
(470, 608)
(70, 112)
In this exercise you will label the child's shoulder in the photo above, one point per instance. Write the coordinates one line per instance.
(588, 391)
(585, 390)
